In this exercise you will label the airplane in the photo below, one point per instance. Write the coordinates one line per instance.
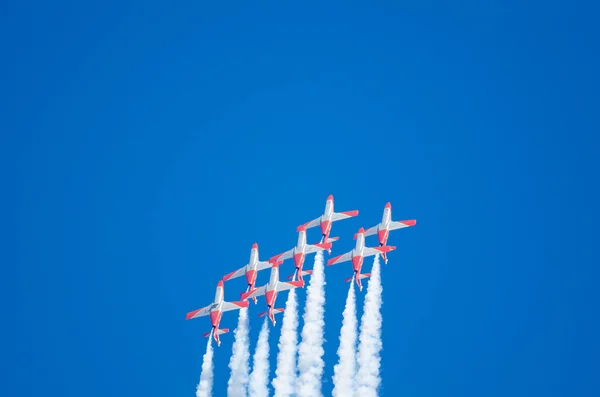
(250, 270)
(328, 217)
(357, 255)
(387, 224)
(270, 290)
(300, 251)
(216, 310)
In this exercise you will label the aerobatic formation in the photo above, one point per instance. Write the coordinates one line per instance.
(298, 253)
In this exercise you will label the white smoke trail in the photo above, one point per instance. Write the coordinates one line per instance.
(204, 388)
(285, 374)
(310, 351)
(238, 364)
(345, 370)
(367, 379)
(259, 378)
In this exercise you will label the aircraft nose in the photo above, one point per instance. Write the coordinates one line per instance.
(388, 205)
(301, 228)
(330, 197)
(254, 246)
(220, 284)
(361, 230)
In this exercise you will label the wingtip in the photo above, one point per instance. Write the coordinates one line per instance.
(275, 263)
(244, 295)
(227, 276)
(332, 260)
(191, 314)
(410, 222)
(243, 304)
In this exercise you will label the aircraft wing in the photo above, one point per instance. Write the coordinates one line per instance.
(238, 273)
(377, 250)
(205, 311)
(401, 224)
(336, 216)
(370, 231)
(228, 306)
(342, 258)
(260, 291)
(311, 248)
(313, 223)
(263, 265)
(283, 286)
(282, 256)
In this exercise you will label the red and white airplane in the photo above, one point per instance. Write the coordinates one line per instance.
(328, 217)
(270, 290)
(387, 224)
(216, 310)
(300, 251)
(357, 255)
(250, 270)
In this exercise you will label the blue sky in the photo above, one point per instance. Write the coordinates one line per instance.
(145, 147)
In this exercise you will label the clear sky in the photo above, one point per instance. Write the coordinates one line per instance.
(145, 146)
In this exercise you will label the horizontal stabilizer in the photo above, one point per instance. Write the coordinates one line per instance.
(275, 311)
(297, 284)
(332, 239)
(362, 276)
(325, 246)
(219, 332)
(304, 273)
(245, 295)
(385, 248)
